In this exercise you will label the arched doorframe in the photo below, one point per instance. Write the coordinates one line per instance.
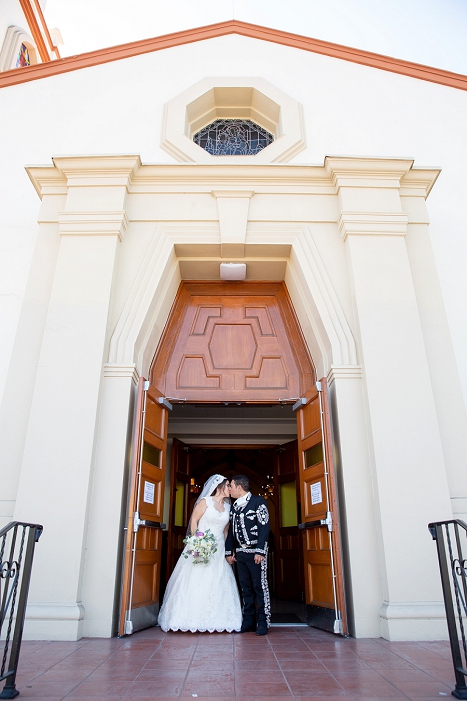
(241, 343)
(322, 319)
(332, 346)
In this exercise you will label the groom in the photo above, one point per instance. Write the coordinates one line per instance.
(247, 545)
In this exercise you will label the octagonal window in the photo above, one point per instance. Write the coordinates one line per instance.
(233, 137)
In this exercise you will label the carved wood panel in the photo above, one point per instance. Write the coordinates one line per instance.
(232, 342)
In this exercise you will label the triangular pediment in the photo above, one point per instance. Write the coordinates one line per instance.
(296, 41)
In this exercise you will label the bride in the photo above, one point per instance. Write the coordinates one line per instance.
(204, 597)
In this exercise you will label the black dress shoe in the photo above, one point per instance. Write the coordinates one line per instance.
(248, 627)
(262, 629)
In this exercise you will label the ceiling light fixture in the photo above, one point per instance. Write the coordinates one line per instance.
(233, 271)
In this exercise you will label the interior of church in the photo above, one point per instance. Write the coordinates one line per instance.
(193, 464)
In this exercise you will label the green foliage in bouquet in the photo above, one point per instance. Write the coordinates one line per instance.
(200, 546)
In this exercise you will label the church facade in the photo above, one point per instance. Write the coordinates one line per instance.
(335, 174)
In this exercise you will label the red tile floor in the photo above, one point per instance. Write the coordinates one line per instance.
(290, 663)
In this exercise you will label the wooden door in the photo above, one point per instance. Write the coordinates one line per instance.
(143, 543)
(324, 586)
(179, 505)
(289, 567)
(237, 342)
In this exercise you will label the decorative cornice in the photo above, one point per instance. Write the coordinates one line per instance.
(276, 36)
(238, 180)
(415, 184)
(93, 224)
(373, 223)
(83, 171)
(367, 172)
(87, 171)
(344, 372)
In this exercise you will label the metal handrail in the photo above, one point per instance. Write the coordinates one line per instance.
(452, 566)
(17, 543)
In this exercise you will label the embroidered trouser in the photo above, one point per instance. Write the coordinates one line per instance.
(254, 583)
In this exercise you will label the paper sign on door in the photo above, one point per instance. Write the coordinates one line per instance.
(148, 493)
(316, 493)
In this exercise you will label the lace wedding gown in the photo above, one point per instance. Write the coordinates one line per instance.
(203, 597)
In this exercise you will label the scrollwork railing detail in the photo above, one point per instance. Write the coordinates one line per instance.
(17, 543)
(450, 537)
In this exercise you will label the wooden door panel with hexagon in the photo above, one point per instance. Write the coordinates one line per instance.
(231, 343)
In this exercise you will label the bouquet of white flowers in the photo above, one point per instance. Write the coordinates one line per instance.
(201, 546)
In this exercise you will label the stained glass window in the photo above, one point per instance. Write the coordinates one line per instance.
(23, 57)
(233, 137)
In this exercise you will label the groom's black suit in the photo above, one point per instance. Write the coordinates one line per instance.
(248, 536)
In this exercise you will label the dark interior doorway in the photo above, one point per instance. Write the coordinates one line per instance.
(237, 347)
(272, 470)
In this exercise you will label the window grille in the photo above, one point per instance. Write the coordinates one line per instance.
(233, 137)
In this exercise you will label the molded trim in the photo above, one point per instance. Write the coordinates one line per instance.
(296, 41)
(14, 37)
(210, 98)
(35, 19)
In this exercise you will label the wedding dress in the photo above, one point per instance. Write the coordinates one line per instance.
(203, 597)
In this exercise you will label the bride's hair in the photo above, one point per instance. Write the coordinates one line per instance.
(219, 488)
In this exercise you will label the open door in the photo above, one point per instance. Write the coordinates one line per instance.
(324, 585)
(143, 544)
(289, 565)
(179, 505)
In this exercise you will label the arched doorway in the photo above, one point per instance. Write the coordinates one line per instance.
(235, 345)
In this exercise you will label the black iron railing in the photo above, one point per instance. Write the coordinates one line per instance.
(17, 543)
(450, 536)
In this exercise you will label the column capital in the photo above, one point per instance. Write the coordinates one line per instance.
(367, 172)
(84, 171)
(121, 370)
(93, 224)
(92, 171)
(344, 372)
(386, 173)
(373, 223)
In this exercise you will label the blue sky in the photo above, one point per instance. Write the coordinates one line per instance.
(425, 31)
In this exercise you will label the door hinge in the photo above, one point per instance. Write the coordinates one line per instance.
(319, 387)
(327, 521)
(146, 385)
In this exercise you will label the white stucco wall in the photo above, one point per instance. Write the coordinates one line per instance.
(348, 110)
(11, 15)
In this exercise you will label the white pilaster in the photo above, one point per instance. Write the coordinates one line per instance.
(107, 509)
(356, 500)
(410, 485)
(56, 475)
